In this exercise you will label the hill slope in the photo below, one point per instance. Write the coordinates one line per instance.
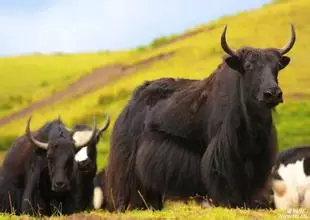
(85, 84)
(196, 54)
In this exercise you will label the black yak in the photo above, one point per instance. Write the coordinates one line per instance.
(87, 159)
(87, 156)
(42, 172)
(213, 137)
(291, 178)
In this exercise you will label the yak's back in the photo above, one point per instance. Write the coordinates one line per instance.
(153, 91)
(180, 113)
(146, 96)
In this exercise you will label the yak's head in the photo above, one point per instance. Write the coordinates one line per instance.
(259, 68)
(87, 156)
(60, 151)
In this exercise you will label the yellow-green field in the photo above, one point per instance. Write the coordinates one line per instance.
(178, 210)
(30, 78)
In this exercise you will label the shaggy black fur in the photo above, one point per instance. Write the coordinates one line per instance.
(212, 137)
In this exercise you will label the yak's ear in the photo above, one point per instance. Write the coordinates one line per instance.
(307, 166)
(234, 62)
(284, 61)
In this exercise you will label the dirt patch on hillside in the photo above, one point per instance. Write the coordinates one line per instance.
(186, 35)
(88, 83)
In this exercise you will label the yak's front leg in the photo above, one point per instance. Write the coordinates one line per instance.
(30, 199)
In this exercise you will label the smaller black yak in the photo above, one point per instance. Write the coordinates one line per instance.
(41, 166)
(55, 173)
(291, 178)
(87, 156)
(87, 159)
(213, 137)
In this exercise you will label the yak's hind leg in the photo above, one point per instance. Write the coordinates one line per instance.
(145, 198)
(164, 164)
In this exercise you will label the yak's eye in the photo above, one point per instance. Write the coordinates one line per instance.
(248, 65)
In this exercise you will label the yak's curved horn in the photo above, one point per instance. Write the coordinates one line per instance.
(224, 44)
(86, 141)
(107, 123)
(32, 139)
(290, 44)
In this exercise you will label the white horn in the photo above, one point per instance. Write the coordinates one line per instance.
(32, 139)
(84, 142)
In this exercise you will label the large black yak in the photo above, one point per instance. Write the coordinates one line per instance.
(212, 137)
(291, 178)
(39, 174)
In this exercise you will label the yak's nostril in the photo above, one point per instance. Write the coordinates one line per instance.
(267, 94)
(279, 94)
(60, 184)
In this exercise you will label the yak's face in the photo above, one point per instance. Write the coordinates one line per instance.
(60, 152)
(260, 69)
(61, 165)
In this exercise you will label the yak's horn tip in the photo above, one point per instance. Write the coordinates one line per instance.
(225, 28)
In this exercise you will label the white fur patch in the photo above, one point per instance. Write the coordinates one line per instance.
(297, 194)
(97, 198)
(81, 155)
(205, 204)
(81, 136)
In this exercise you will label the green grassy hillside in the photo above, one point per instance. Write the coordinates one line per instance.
(196, 56)
(30, 78)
